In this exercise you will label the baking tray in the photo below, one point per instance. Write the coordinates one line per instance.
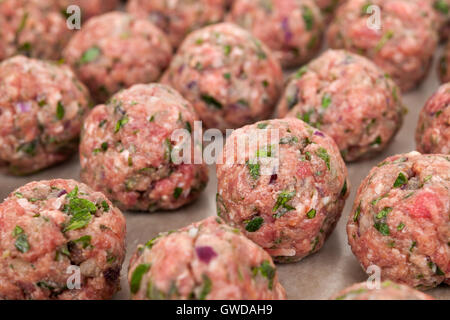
(318, 276)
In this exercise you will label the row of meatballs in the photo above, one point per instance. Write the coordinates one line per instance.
(45, 106)
(282, 210)
(51, 229)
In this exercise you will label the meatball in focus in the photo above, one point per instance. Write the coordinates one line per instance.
(51, 232)
(400, 220)
(207, 260)
(178, 18)
(229, 76)
(128, 150)
(286, 192)
(348, 98)
(293, 29)
(388, 291)
(404, 45)
(433, 129)
(115, 51)
(42, 108)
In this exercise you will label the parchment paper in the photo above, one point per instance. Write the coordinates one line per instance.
(316, 277)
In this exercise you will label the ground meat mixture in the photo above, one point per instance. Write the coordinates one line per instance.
(115, 51)
(286, 192)
(347, 97)
(230, 77)
(127, 150)
(388, 291)
(32, 27)
(404, 45)
(400, 220)
(291, 28)
(433, 129)
(207, 260)
(179, 17)
(42, 108)
(53, 233)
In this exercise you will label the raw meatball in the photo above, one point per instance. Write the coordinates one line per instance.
(178, 18)
(127, 150)
(404, 45)
(347, 97)
(90, 8)
(433, 129)
(401, 220)
(293, 29)
(55, 233)
(207, 260)
(388, 291)
(42, 107)
(230, 77)
(444, 65)
(33, 28)
(115, 51)
(287, 192)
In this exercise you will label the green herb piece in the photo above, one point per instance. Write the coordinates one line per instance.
(122, 121)
(17, 230)
(326, 100)
(382, 227)
(300, 72)
(441, 6)
(60, 112)
(81, 211)
(308, 17)
(357, 213)
(227, 49)
(262, 125)
(21, 243)
(104, 146)
(211, 101)
(254, 224)
(29, 148)
(264, 152)
(281, 205)
(376, 142)
(18, 195)
(136, 277)
(267, 271)
(85, 241)
(311, 214)
(401, 180)
(253, 169)
(344, 189)
(383, 213)
(105, 206)
(400, 226)
(385, 38)
(289, 140)
(323, 154)
(177, 192)
(207, 286)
